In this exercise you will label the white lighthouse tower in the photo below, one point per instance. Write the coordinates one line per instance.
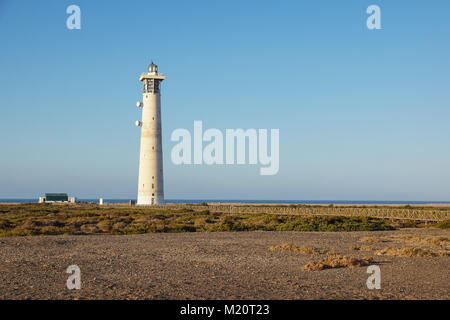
(151, 181)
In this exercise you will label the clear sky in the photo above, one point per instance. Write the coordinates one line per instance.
(363, 114)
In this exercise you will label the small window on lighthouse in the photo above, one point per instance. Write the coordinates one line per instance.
(153, 186)
(153, 148)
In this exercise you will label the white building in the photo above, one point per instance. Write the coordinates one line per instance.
(57, 197)
(151, 181)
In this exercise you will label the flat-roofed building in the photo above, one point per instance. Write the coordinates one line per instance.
(57, 197)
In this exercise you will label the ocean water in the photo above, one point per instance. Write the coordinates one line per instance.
(248, 201)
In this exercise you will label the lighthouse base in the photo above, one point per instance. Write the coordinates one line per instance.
(150, 201)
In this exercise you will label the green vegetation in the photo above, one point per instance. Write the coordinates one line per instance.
(443, 224)
(38, 219)
(44, 219)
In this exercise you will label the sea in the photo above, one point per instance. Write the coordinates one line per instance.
(249, 201)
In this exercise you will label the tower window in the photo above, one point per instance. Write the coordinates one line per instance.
(151, 85)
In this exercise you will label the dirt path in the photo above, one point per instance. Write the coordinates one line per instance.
(212, 266)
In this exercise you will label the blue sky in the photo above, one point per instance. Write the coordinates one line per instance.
(363, 115)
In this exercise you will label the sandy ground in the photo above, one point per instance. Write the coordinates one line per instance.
(211, 266)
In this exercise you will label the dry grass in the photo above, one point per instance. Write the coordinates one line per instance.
(440, 241)
(302, 249)
(370, 239)
(418, 246)
(443, 242)
(410, 252)
(362, 248)
(337, 261)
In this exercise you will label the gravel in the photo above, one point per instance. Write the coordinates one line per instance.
(220, 265)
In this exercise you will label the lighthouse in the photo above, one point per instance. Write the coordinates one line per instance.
(151, 181)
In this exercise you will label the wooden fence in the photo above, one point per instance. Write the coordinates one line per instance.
(426, 214)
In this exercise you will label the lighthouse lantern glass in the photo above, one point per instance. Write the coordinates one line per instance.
(151, 86)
